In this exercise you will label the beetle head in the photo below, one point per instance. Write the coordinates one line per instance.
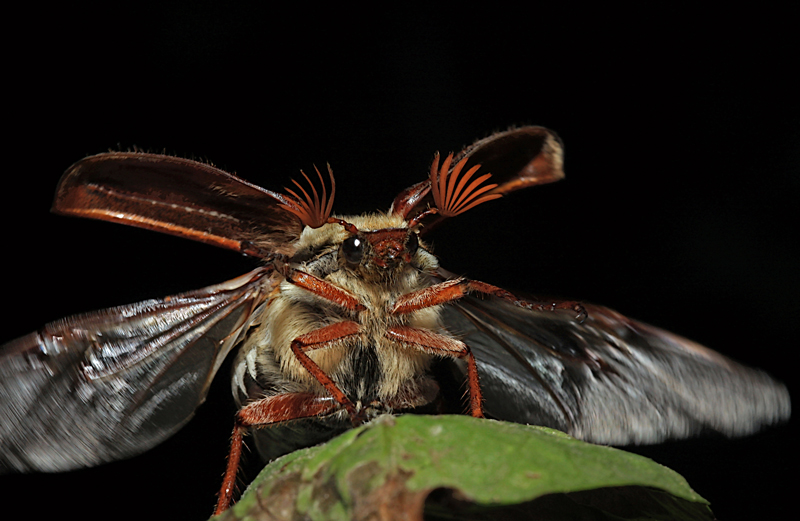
(381, 250)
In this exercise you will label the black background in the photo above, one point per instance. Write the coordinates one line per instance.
(681, 132)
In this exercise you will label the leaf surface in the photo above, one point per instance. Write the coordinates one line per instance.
(479, 469)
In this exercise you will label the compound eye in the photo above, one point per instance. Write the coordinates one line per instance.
(412, 244)
(353, 250)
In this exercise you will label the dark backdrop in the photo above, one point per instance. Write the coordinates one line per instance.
(679, 207)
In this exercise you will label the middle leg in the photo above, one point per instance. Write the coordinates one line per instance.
(320, 338)
(442, 345)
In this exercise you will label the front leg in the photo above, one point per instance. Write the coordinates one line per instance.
(454, 289)
(322, 288)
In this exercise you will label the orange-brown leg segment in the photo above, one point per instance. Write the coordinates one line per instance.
(274, 409)
(550, 305)
(323, 289)
(318, 339)
(454, 289)
(442, 345)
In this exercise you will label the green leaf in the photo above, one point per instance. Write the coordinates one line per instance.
(458, 467)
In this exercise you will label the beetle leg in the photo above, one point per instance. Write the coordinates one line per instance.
(320, 288)
(550, 305)
(267, 411)
(320, 338)
(444, 346)
(454, 289)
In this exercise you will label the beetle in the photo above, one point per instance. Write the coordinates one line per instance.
(348, 317)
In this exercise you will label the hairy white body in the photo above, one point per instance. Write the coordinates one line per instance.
(400, 370)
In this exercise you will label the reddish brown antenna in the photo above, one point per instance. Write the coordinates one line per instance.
(312, 211)
(452, 200)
